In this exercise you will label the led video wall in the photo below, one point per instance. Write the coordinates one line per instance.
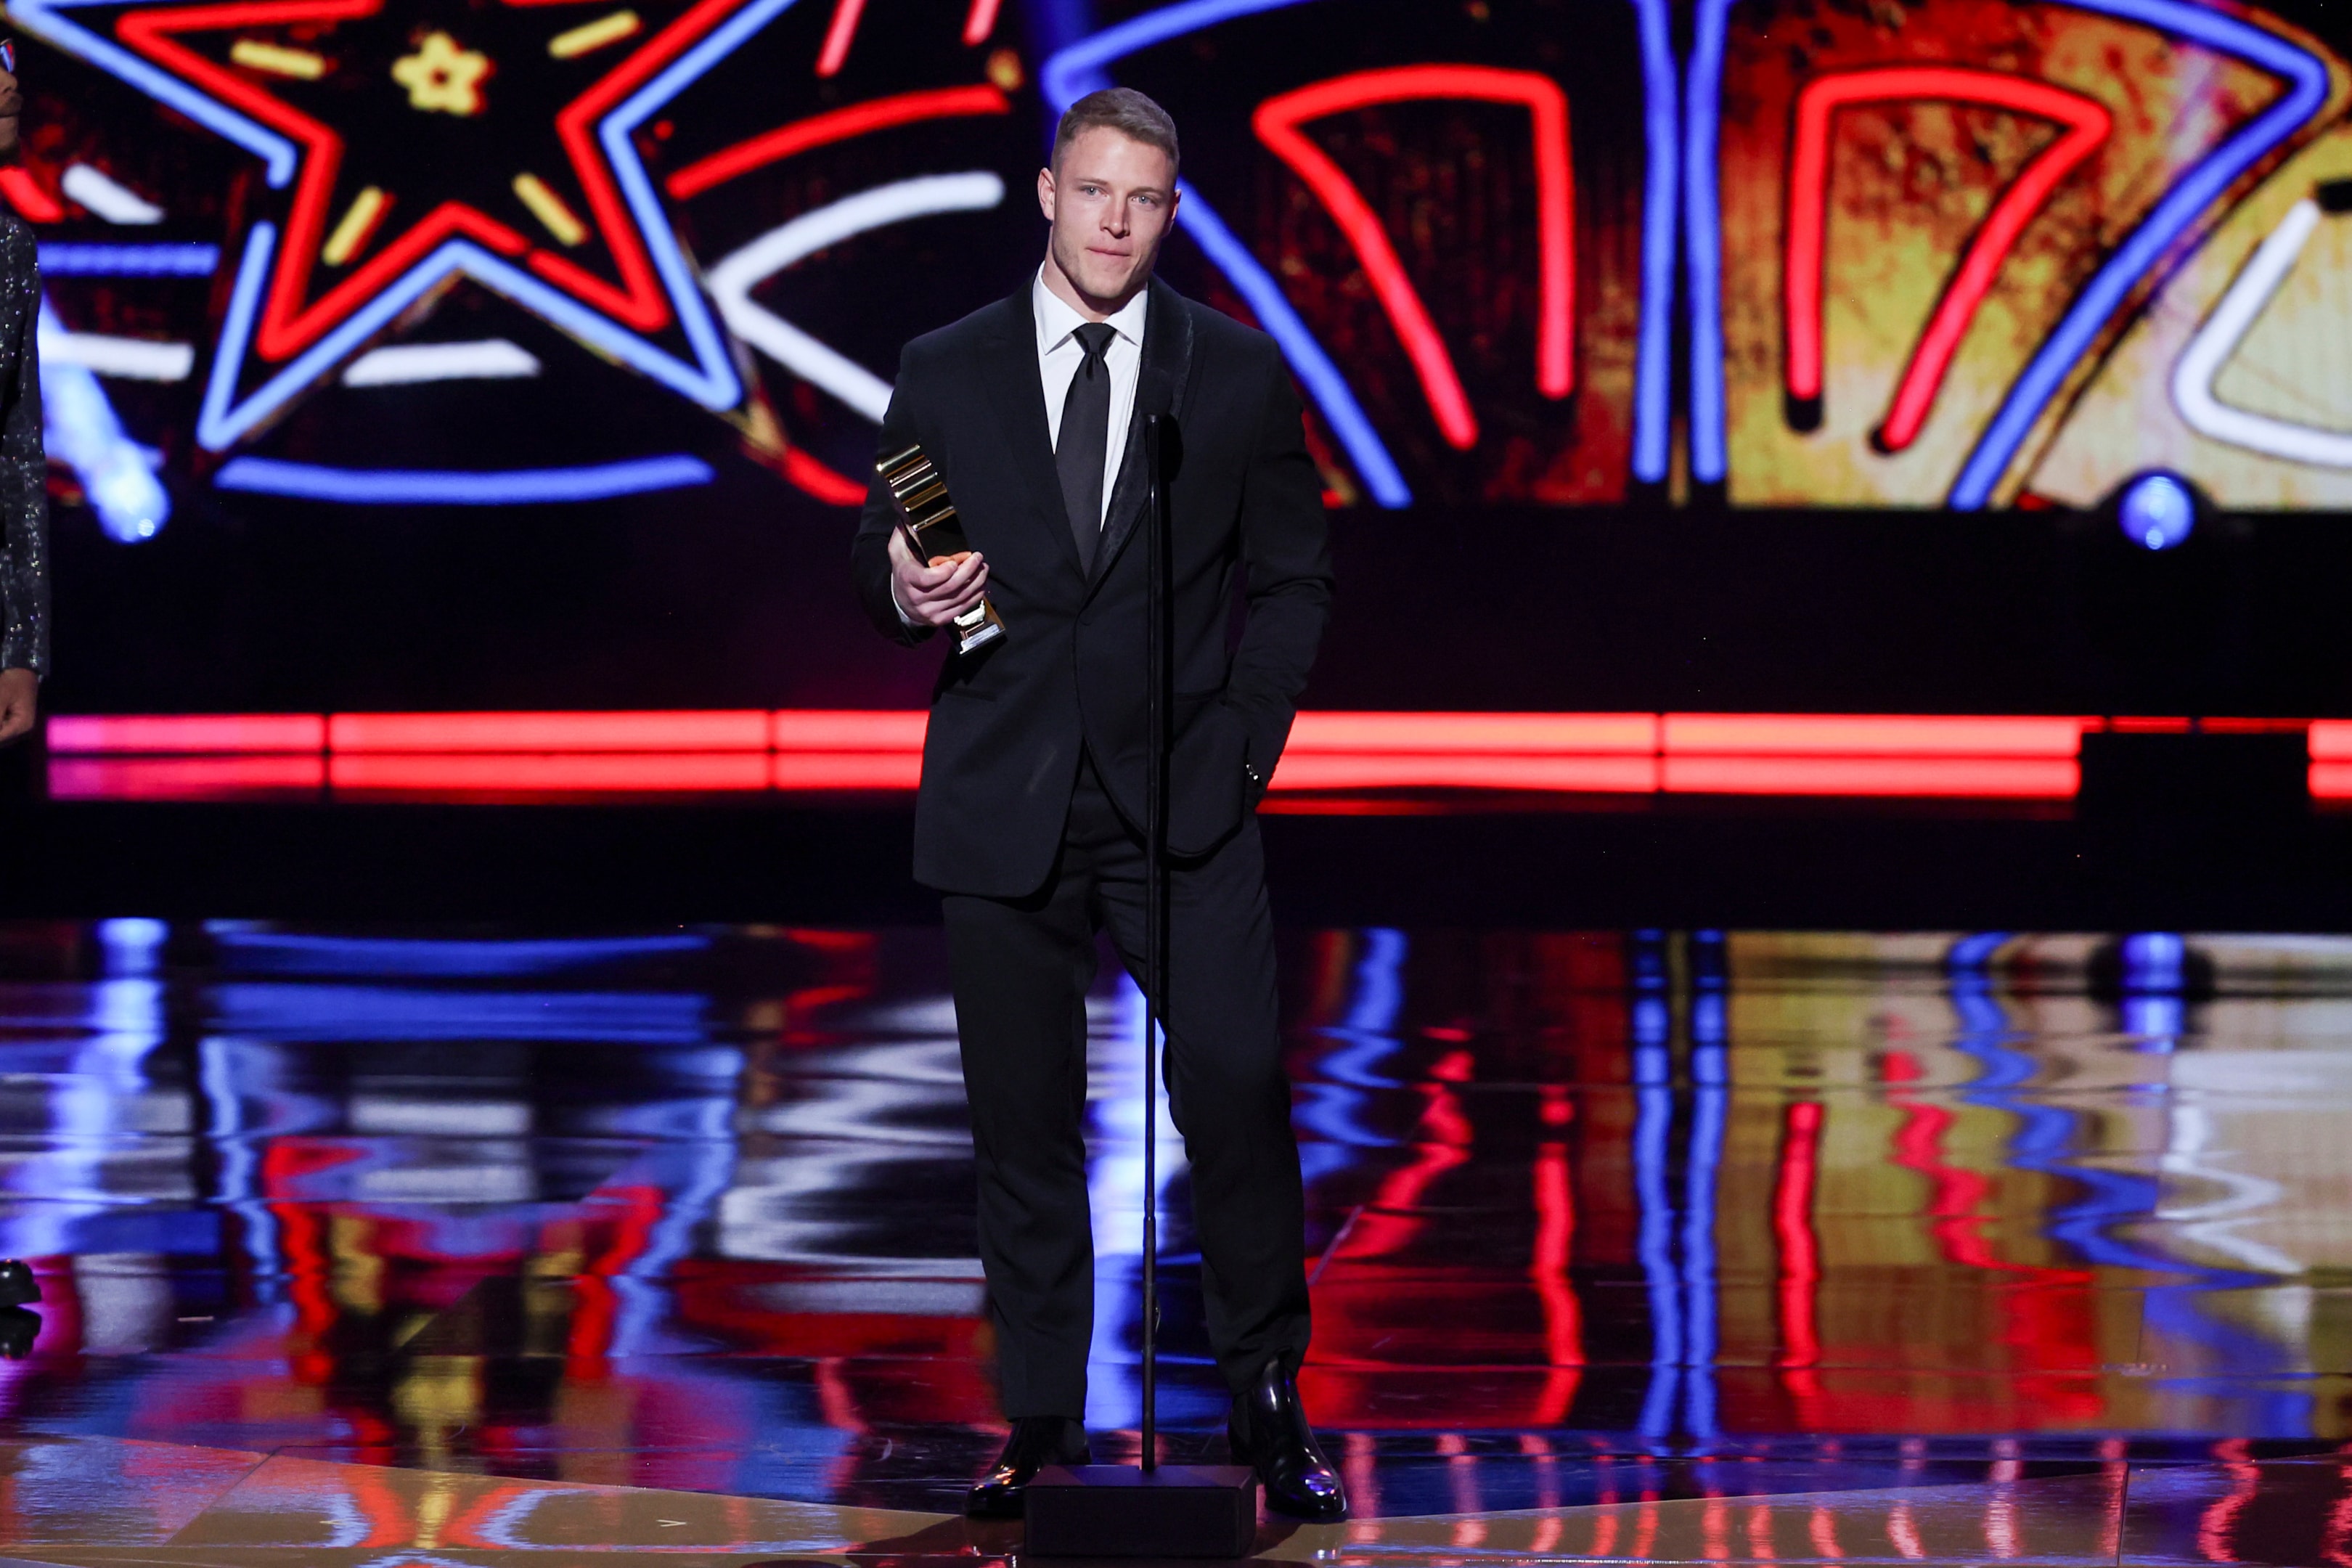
(1942, 253)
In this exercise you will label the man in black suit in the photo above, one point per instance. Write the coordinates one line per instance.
(1032, 792)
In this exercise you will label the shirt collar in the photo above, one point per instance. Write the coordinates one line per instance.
(1056, 321)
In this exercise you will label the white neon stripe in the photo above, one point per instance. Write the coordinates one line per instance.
(491, 359)
(2218, 339)
(102, 195)
(731, 282)
(131, 359)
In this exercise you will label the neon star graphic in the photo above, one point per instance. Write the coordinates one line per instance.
(406, 143)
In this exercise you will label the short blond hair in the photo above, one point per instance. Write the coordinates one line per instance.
(1119, 108)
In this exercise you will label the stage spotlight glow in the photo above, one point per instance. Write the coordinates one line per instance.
(2157, 511)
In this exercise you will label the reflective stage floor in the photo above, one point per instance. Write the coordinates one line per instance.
(461, 1247)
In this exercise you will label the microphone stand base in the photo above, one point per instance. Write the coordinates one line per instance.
(1112, 1511)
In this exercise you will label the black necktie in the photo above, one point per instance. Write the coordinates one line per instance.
(1084, 445)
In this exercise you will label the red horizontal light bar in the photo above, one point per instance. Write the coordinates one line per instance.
(744, 730)
(2331, 781)
(1872, 735)
(85, 733)
(880, 750)
(895, 771)
(185, 778)
(2021, 778)
(1366, 770)
(1442, 733)
(849, 729)
(559, 773)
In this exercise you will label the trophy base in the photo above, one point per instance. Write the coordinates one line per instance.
(979, 628)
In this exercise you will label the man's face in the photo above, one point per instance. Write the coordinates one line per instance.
(1111, 199)
(12, 103)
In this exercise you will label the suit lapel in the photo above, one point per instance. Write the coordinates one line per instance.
(1167, 354)
(1017, 394)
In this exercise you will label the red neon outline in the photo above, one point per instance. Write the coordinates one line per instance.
(640, 303)
(835, 125)
(1801, 1249)
(2087, 123)
(25, 194)
(1278, 122)
(837, 37)
(979, 21)
(286, 325)
(827, 484)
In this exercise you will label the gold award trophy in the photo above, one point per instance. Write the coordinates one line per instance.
(928, 521)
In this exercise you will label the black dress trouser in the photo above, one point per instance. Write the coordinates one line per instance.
(1021, 969)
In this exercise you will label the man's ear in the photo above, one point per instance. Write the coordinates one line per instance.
(1045, 193)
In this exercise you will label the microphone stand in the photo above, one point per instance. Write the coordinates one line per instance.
(1155, 1510)
(1159, 708)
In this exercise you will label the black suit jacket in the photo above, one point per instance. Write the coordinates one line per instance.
(1009, 723)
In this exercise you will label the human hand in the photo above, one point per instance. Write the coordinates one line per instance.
(934, 595)
(19, 696)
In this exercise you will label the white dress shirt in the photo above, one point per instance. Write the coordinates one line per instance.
(1059, 354)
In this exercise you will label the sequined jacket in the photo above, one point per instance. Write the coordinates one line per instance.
(23, 495)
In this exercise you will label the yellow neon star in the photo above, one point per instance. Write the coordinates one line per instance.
(442, 77)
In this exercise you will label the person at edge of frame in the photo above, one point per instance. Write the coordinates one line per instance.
(1033, 787)
(23, 501)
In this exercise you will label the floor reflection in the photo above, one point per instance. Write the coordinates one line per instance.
(1705, 1225)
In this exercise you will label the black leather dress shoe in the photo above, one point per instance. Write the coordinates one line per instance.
(1036, 1442)
(1269, 1432)
(17, 1285)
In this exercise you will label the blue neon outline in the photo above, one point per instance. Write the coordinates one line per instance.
(1072, 72)
(39, 17)
(79, 258)
(2307, 75)
(1077, 70)
(1653, 366)
(710, 382)
(428, 486)
(1324, 382)
(1702, 197)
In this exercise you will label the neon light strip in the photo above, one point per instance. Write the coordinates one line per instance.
(1703, 234)
(979, 21)
(82, 431)
(424, 486)
(2210, 350)
(25, 194)
(835, 125)
(401, 364)
(1278, 122)
(846, 14)
(2331, 740)
(63, 259)
(731, 282)
(88, 733)
(1661, 123)
(1072, 73)
(659, 731)
(113, 202)
(131, 359)
(1345, 733)
(615, 134)
(2307, 79)
(2087, 124)
(662, 771)
(40, 18)
(1820, 754)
